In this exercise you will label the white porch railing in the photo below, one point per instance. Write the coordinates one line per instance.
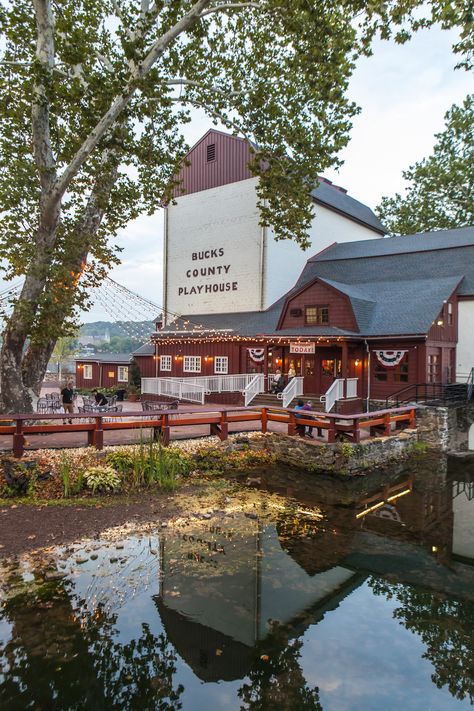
(172, 387)
(254, 388)
(351, 387)
(334, 392)
(221, 383)
(292, 390)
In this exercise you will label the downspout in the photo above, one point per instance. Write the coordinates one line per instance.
(368, 376)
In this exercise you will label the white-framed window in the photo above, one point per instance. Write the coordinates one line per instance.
(165, 362)
(192, 364)
(122, 374)
(87, 372)
(221, 365)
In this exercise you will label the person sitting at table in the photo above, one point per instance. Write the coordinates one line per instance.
(300, 429)
(278, 382)
(100, 398)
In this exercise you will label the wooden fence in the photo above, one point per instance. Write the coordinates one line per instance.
(347, 427)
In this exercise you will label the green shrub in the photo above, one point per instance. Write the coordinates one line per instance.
(121, 460)
(102, 478)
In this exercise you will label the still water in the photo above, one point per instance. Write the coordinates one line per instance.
(301, 599)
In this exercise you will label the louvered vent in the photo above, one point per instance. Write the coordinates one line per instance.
(211, 152)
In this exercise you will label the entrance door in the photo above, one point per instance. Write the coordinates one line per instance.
(330, 369)
(309, 373)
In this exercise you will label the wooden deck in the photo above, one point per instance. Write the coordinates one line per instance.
(330, 427)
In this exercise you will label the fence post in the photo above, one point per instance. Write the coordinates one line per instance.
(98, 434)
(386, 424)
(332, 430)
(355, 423)
(412, 419)
(264, 419)
(165, 430)
(291, 423)
(224, 426)
(18, 440)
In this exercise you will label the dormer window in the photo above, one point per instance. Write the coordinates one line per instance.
(316, 315)
(211, 152)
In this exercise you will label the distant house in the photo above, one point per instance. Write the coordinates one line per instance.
(102, 370)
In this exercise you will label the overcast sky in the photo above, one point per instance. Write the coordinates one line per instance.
(404, 92)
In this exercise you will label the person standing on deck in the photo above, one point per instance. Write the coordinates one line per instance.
(67, 396)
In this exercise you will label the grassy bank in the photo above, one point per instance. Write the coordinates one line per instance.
(118, 473)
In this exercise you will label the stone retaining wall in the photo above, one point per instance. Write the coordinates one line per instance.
(445, 428)
(340, 458)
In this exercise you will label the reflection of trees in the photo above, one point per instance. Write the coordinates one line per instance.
(445, 626)
(137, 675)
(60, 658)
(276, 680)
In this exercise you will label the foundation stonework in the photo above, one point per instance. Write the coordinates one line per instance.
(341, 458)
(445, 428)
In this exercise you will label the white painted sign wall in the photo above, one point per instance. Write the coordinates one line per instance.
(214, 259)
(219, 259)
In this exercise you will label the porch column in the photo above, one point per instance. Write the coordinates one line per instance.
(345, 364)
(265, 368)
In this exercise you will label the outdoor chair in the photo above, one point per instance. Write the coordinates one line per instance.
(155, 405)
(42, 406)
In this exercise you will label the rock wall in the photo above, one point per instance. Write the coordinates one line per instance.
(340, 458)
(445, 428)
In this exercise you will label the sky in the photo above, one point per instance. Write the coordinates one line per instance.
(404, 92)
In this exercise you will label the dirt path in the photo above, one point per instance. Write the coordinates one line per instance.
(24, 528)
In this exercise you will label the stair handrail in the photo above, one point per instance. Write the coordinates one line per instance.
(439, 391)
(292, 390)
(254, 388)
(333, 393)
(470, 385)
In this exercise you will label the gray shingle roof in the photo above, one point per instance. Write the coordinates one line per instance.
(337, 199)
(432, 255)
(396, 286)
(146, 350)
(420, 242)
(105, 358)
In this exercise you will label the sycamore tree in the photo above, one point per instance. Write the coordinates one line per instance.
(440, 193)
(94, 94)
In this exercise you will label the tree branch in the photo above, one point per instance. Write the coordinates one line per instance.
(230, 6)
(42, 149)
(109, 118)
(189, 82)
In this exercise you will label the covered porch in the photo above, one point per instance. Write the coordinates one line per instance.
(324, 370)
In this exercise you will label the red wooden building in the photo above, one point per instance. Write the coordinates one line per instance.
(384, 312)
(103, 370)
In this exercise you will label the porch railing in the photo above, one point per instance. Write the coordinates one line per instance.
(292, 390)
(335, 392)
(351, 387)
(254, 388)
(172, 387)
(222, 383)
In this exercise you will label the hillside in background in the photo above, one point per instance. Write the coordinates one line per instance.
(104, 329)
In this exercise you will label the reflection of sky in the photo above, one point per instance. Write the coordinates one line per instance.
(358, 655)
(361, 658)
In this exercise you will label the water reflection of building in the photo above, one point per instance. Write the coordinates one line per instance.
(462, 482)
(225, 585)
